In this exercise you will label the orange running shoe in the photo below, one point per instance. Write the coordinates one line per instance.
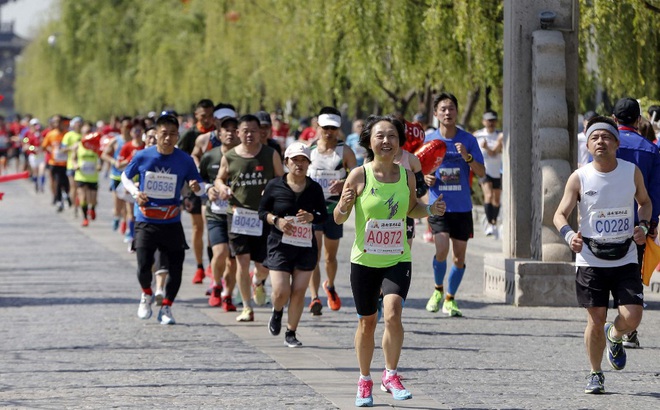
(334, 303)
(85, 223)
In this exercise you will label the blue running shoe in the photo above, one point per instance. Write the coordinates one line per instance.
(616, 353)
(596, 383)
(393, 386)
(364, 397)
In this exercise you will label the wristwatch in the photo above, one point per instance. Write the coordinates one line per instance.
(275, 218)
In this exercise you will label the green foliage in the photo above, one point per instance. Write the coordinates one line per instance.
(133, 56)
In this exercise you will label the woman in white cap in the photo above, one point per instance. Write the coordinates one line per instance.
(291, 203)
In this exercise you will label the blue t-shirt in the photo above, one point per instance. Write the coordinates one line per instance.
(643, 153)
(161, 178)
(453, 176)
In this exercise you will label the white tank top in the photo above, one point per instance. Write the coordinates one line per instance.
(404, 161)
(327, 167)
(607, 211)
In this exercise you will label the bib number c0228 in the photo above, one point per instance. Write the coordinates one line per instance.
(246, 222)
(384, 236)
(612, 224)
(302, 234)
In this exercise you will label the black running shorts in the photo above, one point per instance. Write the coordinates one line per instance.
(457, 224)
(367, 282)
(593, 286)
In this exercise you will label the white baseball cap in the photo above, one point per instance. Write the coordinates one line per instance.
(297, 149)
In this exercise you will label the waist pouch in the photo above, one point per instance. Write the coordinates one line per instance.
(160, 212)
(608, 251)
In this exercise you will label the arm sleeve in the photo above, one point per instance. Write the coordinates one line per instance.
(421, 186)
(266, 203)
(128, 184)
(654, 188)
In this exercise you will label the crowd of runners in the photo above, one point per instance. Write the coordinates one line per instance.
(268, 203)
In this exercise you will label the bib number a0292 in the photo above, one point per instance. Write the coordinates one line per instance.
(246, 222)
(612, 224)
(159, 185)
(384, 236)
(301, 236)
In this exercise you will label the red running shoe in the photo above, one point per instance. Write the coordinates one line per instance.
(122, 227)
(91, 214)
(199, 276)
(215, 299)
(209, 271)
(227, 305)
(334, 303)
(85, 223)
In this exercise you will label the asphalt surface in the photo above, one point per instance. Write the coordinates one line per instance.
(70, 337)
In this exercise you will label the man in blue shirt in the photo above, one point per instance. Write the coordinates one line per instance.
(163, 170)
(452, 182)
(643, 153)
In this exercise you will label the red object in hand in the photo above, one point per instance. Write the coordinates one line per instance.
(431, 155)
(11, 177)
(1, 194)
(414, 137)
(92, 142)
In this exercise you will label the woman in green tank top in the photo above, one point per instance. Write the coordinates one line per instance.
(383, 194)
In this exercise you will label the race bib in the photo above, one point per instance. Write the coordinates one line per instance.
(88, 167)
(325, 178)
(4, 142)
(384, 236)
(302, 234)
(61, 155)
(246, 222)
(450, 179)
(612, 225)
(159, 185)
(219, 206)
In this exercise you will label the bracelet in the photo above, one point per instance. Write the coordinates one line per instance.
(469, 158)
(428, 210)
(340, 211)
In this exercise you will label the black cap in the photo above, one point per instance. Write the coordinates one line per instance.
(264, 118)
(626, 110)
(589, 115)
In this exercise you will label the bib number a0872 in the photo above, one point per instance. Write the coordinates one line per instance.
(384, 236)
(246, 222)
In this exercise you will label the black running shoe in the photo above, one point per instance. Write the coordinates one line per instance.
(290, 339)
(275, 322)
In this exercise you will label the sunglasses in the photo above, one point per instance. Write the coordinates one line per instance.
(330, 128)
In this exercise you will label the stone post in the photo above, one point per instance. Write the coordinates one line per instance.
(540, 124)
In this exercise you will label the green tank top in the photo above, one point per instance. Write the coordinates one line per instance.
(248, 177)
(87, 166)
(380, 222)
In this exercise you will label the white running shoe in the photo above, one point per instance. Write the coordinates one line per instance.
(495, 232)
(489, 230)
(144, 310)
(165, 316)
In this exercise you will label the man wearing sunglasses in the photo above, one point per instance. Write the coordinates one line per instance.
(331, 161)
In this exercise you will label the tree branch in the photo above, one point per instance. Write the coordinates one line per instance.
(651, 7)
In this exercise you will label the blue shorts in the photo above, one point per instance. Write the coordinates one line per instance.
(330, 229)
(218, 230)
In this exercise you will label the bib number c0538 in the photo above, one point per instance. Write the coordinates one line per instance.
(246, 222)
(384, 236)
(302, 234)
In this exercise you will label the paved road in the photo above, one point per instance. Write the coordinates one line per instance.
(71, 338)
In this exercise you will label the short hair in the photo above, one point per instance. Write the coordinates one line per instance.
(149, 128)
(330, 110)
(444, 96)
(204, 103)
(167, 119)
(600, 118)
(365, 135)
(248, 118)
(654, 109)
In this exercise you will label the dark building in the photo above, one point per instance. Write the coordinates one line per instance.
(11, 46)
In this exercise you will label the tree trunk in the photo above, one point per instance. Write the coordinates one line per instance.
(472, 99)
